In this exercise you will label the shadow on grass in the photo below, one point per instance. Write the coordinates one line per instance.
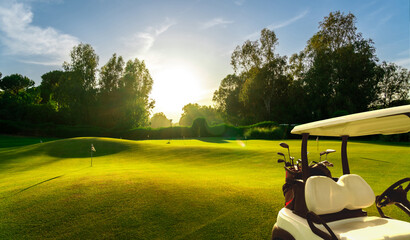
(81, 148)
(27, 188)
(393, 144)
(39, 183)
(213, 140)
(372, 159)
(22, 158)
(7, 141)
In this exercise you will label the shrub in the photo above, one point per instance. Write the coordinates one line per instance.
(264, 133)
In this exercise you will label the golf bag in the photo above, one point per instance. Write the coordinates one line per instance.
(294, 187)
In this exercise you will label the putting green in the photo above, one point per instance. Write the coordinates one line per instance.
(182, 189)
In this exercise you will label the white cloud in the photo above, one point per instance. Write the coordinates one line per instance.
(404, 62)
(141, 42)
(25, 40)
(275, 26)
(215, 22)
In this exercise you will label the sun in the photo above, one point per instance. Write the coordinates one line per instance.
(175, 86)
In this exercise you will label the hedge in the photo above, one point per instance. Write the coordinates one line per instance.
(198, 129)
(263, 130)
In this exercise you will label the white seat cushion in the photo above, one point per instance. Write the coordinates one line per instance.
(358, 228)
(324, 196)
(371, 228)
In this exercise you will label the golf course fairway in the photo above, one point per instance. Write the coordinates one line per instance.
(208, 188)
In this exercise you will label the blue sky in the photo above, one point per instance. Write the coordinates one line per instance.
(185, 44)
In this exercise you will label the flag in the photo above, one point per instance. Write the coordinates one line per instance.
(92, 148)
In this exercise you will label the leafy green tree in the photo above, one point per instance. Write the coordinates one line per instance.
(258, 91)
(194, 111)
(76, 92)
(341, 71)
(111, 74)
(159, 120)
(50, 82)
(72, 99)
(394, 86)
(226, 99)
(266, 92)
(16, 83)
(255, 54)
(84, 62)
(109, 100)
(135, 87)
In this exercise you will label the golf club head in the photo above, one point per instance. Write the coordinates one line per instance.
(284, 145)
(322, 153)
(327, 163)
(281, 160)
(330, 151)
(279, 153)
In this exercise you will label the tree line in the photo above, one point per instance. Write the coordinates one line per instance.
(74, 96)
(336, 73)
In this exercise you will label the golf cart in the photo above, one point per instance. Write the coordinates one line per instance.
(320, 206)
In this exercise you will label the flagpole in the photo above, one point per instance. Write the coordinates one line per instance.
(92, 150)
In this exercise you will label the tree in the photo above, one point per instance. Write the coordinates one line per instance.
(194, 111)
(137, 78)
(258, 90)
(111, 74)
(266, 91)
(84, 62)
(50, 82)
(227, 100)
(394, 85)
(15, 83)
(336, 31)
(255, 53)
(159, 120)
(109, 99)
(135, 87)
(76, 91)
(73, 101)
(341, 71)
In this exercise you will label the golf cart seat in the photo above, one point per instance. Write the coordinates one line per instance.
(325, 196)
(358, 228)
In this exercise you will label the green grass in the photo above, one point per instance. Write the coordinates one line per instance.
(188, 189)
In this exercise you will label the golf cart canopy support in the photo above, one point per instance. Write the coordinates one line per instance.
(385, 121)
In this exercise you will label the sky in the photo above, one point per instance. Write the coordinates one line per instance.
(186, 45)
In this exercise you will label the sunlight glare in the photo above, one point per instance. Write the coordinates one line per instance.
(174, 87)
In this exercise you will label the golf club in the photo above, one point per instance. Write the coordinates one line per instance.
(281, 160)
(321, 154)
(283, 155)
(327, 163)
(285, 145)
(329, 151)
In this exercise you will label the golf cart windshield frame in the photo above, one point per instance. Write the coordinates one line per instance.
(305, 162)
(385, 121)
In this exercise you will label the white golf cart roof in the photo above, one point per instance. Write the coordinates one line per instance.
(387, 121)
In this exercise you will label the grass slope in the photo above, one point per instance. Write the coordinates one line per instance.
(188, 189)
